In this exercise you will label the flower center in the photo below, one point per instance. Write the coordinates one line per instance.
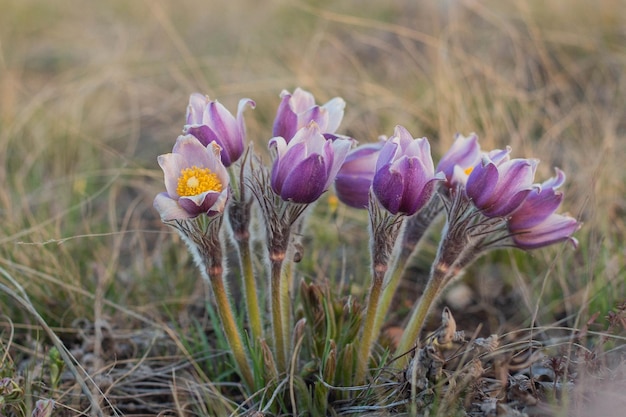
(468, 170)
(194, 181)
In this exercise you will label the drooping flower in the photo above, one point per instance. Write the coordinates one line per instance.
(297, 110)
(535, 224)
(307, 165)
(355, 176)
(460, 159)
(405, 175)
(209, 121)
(498, 188)
(196, 180)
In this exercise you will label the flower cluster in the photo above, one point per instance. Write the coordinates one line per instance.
(489, 200)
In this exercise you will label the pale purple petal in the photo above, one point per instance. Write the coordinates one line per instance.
(193, 152)
(195, 109)
(464, 153)
(340, 150)
(335, 109)
(301, 100)
(555, 228)
(169, 209)
(171, 164)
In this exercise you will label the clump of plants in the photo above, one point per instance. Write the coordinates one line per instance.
(302, 348)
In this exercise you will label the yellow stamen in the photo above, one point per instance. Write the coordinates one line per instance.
(194, 181)
(468, 170)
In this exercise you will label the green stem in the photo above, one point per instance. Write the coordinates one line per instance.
(389, 290)
(285, 301)
(277, 315)
(414, 327)
(250, 289)
(228, 322)
(369, 333)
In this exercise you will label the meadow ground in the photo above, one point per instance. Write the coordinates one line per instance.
(90, 94)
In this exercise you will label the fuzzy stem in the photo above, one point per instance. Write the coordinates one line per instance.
(228, 322)
(384, 231)
(369, 333)
(285, 301)
(389, 290)
(455, 252)
(250, 289)
(414, 327)
(414, 230)
(277, 314)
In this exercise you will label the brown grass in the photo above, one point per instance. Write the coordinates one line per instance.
(91, 94)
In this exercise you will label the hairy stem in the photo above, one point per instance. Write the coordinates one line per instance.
(277, 313)
(228, 322)
(250, 289)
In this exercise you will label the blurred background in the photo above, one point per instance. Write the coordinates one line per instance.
(92, 92)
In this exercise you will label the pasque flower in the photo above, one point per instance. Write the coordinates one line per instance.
(405, 176)
(196, 180)
(355, 176)
(535, 224)
(306, 166)
(209, 121)
(297, 110)
(459, 161)
(497, 186)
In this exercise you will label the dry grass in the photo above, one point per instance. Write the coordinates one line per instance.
(91, 94)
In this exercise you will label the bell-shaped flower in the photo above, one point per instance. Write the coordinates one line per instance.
(306, 166)
(555, 228)
(498, 188)
(297, 110)
(405, 175)
(535, 224)
(209, 121)
(355, 176)
(196, 180)
(459, 161)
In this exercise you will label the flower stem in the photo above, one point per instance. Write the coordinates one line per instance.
(369, 333)
(250, 289)
(285, 301)
(414, 230)
(389, 290)
(384, 232)
(414, 327)
(228, 322)
(277, 315)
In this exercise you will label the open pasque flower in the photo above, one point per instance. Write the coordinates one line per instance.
(196, 180)
(297, 110)
(535, 224)
(497, 185)
(355, 176)
(459, 161)
(307, 165)
(210, 121)
(405, 176)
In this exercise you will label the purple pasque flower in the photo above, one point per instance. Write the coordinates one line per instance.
(355, 176)
(459, 161)
(196, 180)
(297, 110)
(498, 186)
(307, 165)
(405, 175)
(535, 224)
(209, 121)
